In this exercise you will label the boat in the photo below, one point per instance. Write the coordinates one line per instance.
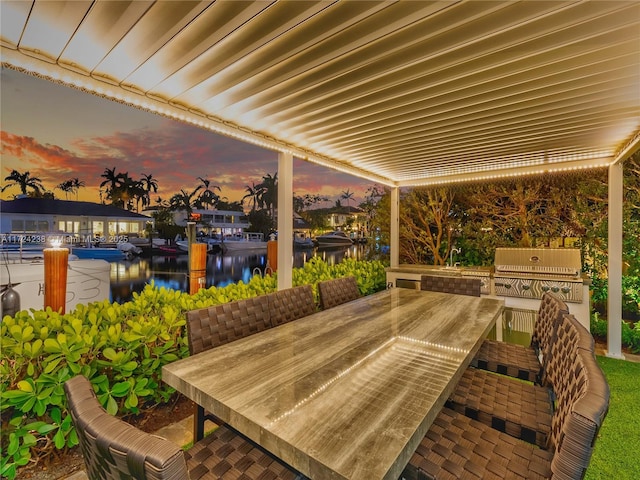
(99, 253)
(244, 241)
(129, 248)
(301, 242)
(336, 238)
(183, 245)
(87, 281)
(17, 253)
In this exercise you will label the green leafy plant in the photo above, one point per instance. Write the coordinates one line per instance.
(121, 348)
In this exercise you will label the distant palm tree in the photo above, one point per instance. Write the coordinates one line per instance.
(138, 194)
(149, 184)
(234, 206)
(125, 192)
(24, 181)
(208, 197)
(348, 196)
(77, 184)
(252, 195)
(113, 182)
(161, 202)
(183, 201)
(120, 193)
(66, 187)
(268, 193)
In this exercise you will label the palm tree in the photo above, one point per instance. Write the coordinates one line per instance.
(24, 181)
(348, 196)
(149, 184)
(113, 182)
(252, 195)
(161, 202)
(208, 196)
(183, 201)
(77, 184)
(268, 193)
(138, 194)
(66, 187)
(121, 192)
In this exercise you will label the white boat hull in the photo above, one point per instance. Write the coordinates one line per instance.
(183, 245)
(334, 244)
(334, 239)
(87, 281)
(240, 245)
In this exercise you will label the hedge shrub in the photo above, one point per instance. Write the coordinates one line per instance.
(121, 348)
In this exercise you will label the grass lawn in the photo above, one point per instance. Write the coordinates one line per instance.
(618, 445)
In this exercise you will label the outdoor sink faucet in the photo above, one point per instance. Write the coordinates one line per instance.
(456, 250)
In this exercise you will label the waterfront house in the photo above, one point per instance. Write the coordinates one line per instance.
(34, 219)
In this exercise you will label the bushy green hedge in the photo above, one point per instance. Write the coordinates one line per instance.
(630, 333)
(121, 348)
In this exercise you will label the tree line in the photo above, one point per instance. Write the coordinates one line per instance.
(520, 212)
(121, 190)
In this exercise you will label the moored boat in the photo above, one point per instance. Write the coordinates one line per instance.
(99, 253)
(336, 238)
(301, 242)
(244, 241)
(87, 281)
(183, 245)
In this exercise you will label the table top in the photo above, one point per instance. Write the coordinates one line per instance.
(348, 392)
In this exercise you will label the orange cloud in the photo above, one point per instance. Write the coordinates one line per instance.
(175, 154)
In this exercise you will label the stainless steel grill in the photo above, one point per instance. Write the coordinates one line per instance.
(530, 272)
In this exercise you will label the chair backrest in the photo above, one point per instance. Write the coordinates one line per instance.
(219, 324)
(290, 304)
(582, 404)
(569, 335)
(451, 284)
(549, 315)
(337, 291)
(113, 449)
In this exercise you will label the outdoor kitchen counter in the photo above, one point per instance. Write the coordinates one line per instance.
(440, 270)
(520, 276)
(408, 275)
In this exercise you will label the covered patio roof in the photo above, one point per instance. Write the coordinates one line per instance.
(403, 93)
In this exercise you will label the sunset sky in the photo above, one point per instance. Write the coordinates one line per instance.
(57, 133)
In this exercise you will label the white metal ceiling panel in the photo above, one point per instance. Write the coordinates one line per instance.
(401, 92)
(50, 26)
(12, 21)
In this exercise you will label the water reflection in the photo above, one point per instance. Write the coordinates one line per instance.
(170, 271)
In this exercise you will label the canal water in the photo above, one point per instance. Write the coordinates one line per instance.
(171, 271)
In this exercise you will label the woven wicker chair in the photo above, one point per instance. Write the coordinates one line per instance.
(337, 291)
(214, 326)
(290, 304)
(451, 284)
(457, 446)
(219, 324)
(521, 409)
(517, 360)
(114, 450)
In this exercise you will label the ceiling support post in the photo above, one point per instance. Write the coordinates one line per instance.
(614, 297)
(285, 220)
(394, 233)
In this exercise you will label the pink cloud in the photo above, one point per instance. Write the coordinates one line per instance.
(175, 154)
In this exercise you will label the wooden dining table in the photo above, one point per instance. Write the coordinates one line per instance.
(345, 393)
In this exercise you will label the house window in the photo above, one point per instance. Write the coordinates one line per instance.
(97, 229)
(17, 225)
(69, 226)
